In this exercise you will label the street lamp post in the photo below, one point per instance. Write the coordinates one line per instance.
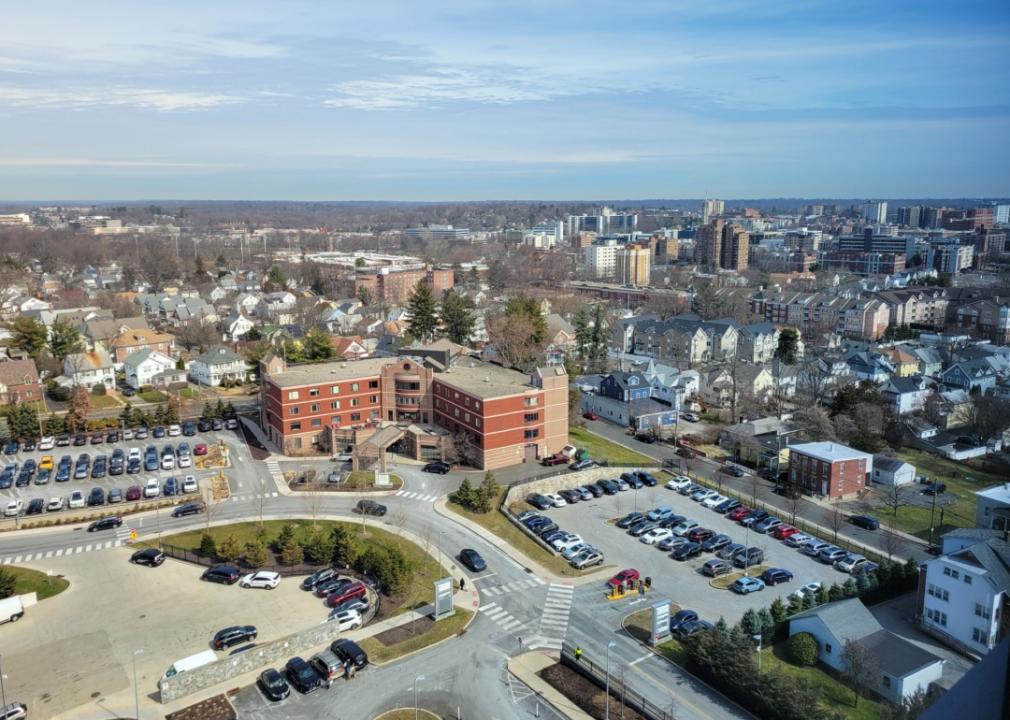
(607, 710)
(3, 692)
(757, 639)
(136, 686)
(417, 680)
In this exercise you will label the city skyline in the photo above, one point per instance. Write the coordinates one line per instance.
(471, 101)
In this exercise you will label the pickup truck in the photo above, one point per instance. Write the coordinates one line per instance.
(555, 459)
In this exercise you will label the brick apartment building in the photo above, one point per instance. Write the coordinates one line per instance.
(829, 469)
(418, 404)
(393, 285)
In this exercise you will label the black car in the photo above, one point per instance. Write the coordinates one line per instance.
(680, 617)
(774, 576)
(935, 488)
(318, 577)
(753, 517)
(610, 487)
(112, 436)
(152, 557)
(96, 497)
(273, 685)
(80, 439)
(36, 506)
(189, 428)
(203, 425)
(672, 521)
(684, 552)
(233, 635)
(547, 527)
(540, 502)
(630, 519)
(437, 467)
(571, 496)
(226, 574)
(349, 650)
(370, 507)
(472, 559)
(302, 675)
(647, 478)
(748, 557)
(190, 508)
(633, 480)
(28, 445)
(865, 521)
(646, 438)
(726, 505)
(716, 542)
(128, 391)
(62, 440)
(11, 448)
(106, 523)
(97, 438)
(133, 467)
(595, 489)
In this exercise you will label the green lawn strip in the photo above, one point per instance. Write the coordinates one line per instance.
(600, 448)
(28, 581)
(377, 652)
(152, 396)
(834, 693)
(497, 524)
(365, 480)
(188, 393)
(407, 714)
(104, 402)
(424, 566)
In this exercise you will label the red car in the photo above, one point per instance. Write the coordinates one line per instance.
(700, 534)
(199, 449)
(133, 492)
(738, 512)
(352, 592)
(624, 577)
(784, 531)
(589, 415)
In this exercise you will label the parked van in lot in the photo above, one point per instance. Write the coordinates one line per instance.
(191, 663)
(11, 609)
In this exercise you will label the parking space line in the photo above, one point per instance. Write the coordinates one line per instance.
(17, 559)
(88, 548)
(49, 554)
(644, 657)
(59, 553)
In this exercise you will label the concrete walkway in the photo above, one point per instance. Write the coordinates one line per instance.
(525, 668)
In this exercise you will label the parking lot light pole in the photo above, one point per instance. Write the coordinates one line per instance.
(136, 686)
(417, 680)
(3, 692)
(607, 710)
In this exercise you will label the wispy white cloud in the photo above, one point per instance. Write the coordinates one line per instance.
(146, 98)
(36, 162)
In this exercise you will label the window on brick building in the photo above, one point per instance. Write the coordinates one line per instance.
(316, 422)
(373, 384)
(314, 392)
(296, 426)
(314, 407)
(296, 410)
(334, 389)
(293, 395)
(354, 387)
(335, 405)
(355, 417)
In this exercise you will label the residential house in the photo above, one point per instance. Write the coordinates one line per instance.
(903, 361)
(560, 339)
(278, 306)
(754, 381)
(717, 387)
(142, 367)
(247, 302)
(236, 326)
(929, 360)
(904, 395)
(989, 319)
(919, 307)
(19, 382)
(216, 365)
(684, 339)
(901, 668)
(134, 340)
(829, 469)
(992, 507)
(964, 595)
(864, 318)
(868, 366)
(892, 471)
(950, 409)
(89, 369)
(977, 375)
(349, 348)
(761, 443)
(99, 331)
(757, 342)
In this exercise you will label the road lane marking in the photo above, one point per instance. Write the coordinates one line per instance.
(644, 657)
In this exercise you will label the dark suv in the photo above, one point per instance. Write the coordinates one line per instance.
(190, 508)
(233, 636)
(370, 507)
(437, 467)
(106, 523)
(302, 675)
(865, 521)
(152, 557)
(226, 574)
(349, 650)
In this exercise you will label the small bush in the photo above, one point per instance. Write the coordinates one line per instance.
(98, 389)
(802, 649)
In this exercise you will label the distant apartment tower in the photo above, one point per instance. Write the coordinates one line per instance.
(708, 245)
(633, 265)
(952, 259)
(394, 285)
(710, 209)
(912, 216)
(875, 212)
(1002, 214)
(970, 219)
(601, 259)
(437, 232)
(606, 222)
(735, 248)
(546, 235)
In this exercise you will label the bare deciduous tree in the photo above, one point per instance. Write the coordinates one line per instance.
(861, 668)
(834, 519)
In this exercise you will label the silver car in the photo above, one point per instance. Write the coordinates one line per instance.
(587, 559)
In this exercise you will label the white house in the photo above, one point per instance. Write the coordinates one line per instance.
(218, 364)
(902, 668)
(992, 507)
(237, 325)
(891, 471)
(141, 367)
(964, 594)
(90, 368)
(904, 395)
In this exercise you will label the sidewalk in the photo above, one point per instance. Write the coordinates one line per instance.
(525, 668)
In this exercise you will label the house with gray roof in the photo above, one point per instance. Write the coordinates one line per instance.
(757, 342)
(142, 367)
(901, 668)
(978, 375)
(904, 395)
(892, 471)
(217, 365)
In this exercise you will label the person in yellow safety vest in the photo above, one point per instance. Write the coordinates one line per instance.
(578, 654)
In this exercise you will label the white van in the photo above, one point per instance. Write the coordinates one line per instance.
(191, 663)
(11, 609)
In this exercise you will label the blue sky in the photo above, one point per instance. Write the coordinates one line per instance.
(482, 99)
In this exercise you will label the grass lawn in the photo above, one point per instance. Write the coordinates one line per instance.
(153, 396)
(188, 393)
(639, 625)
(407, 714)
(377, 652)
(600, 448)
(104, 402)
(959, 500)
(27, 580)
(497, 524)
(423, 566)
(365, 480)
(835, 695)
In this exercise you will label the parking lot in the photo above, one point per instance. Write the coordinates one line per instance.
(26, 486)
(683, 581)
(78, 646)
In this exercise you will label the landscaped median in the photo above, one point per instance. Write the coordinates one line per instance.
(407, 714)
(356, 481)
(22, 581)
(413, 636)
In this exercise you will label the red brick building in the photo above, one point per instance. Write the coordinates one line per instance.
(501, 416)
(829, 469)
(394, 285)
(19, 382)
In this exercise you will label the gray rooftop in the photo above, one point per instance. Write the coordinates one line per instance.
(831, 451)
(896, 656)
(845, 619)
(484, 380)
(322, 373)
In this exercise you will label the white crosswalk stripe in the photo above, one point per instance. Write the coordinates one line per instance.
(500, 616)
(415, 496)
(122, 538)
(554, 620)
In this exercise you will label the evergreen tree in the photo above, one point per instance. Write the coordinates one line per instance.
(582, 336)
(229, 550)
(29, 335)
(23, 421)
(345, 545)
(778, 611)
(276, 279)
(457, 317)
(127, 417)
(530, 307)
(750, 623)
(317, 345)
(291, 553)
(788, 347)
(850, 589)
(319, 546)
(64, 340)
(8, 583)
(767, 624)
(485, 496)
(421, 305)
(599, 340)
(256, 554)
(286, 535)
(835, 593)
(465, 495)
(364, 296)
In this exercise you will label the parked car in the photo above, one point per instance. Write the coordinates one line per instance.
(273, 685)
(831, 555)
(630, 519)
(55, 504)
(14, 711)
(583, 464)
(593, 489)
(693, 627)
(133, 492)
(319, 576)
(152, 489)
(659, 514)
(655, 535)
(716, 567)
(714, 501)
(726, 505)
(809, 589)
(200, 449)
(678, 482)
(700, 534)
(935, 488)
(680, 617)
(626, 576)
(750, 556)
(96, 497)
(672, 543)
(687, 551)
(685, 527)
(589, 415)
(225, 574)
(302, 676)
(641, 527)
(796, 540)
(753, 517)
(774, 576)
(189, 484)
(850, 563)
(262, 579)
(438, 467)
(115, 496)
(472, 559)
(152, 557)
(866, 522)
(738, 513)
(716, 542)
(647, 478)
(76, 500)
(769, 523)
(106, 523)
(540, 502)
(36, 506)
(814, 546)
(349, 650)
(356, 589)
(783, 531)
(747, 585)
(370, 507)
(587, 558)
(556, 500)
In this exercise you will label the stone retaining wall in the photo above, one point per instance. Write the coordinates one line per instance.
(518, 493)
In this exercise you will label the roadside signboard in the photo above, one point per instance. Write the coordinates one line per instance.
(443, 598)
(660, 622)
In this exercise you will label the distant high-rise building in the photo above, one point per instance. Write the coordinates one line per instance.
(735, 248)
(913, 216)
(601, 259)
(875, 212)
(633, 265)
(437, 232)
(708, 245)
(1003, 214)
(710, 209)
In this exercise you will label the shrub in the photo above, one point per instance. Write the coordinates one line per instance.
(256, 553)
(388, 565)
(291, 552)
(7, 583)
(229, 550)
(98, 389)
(208, 548)
(802, 649)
